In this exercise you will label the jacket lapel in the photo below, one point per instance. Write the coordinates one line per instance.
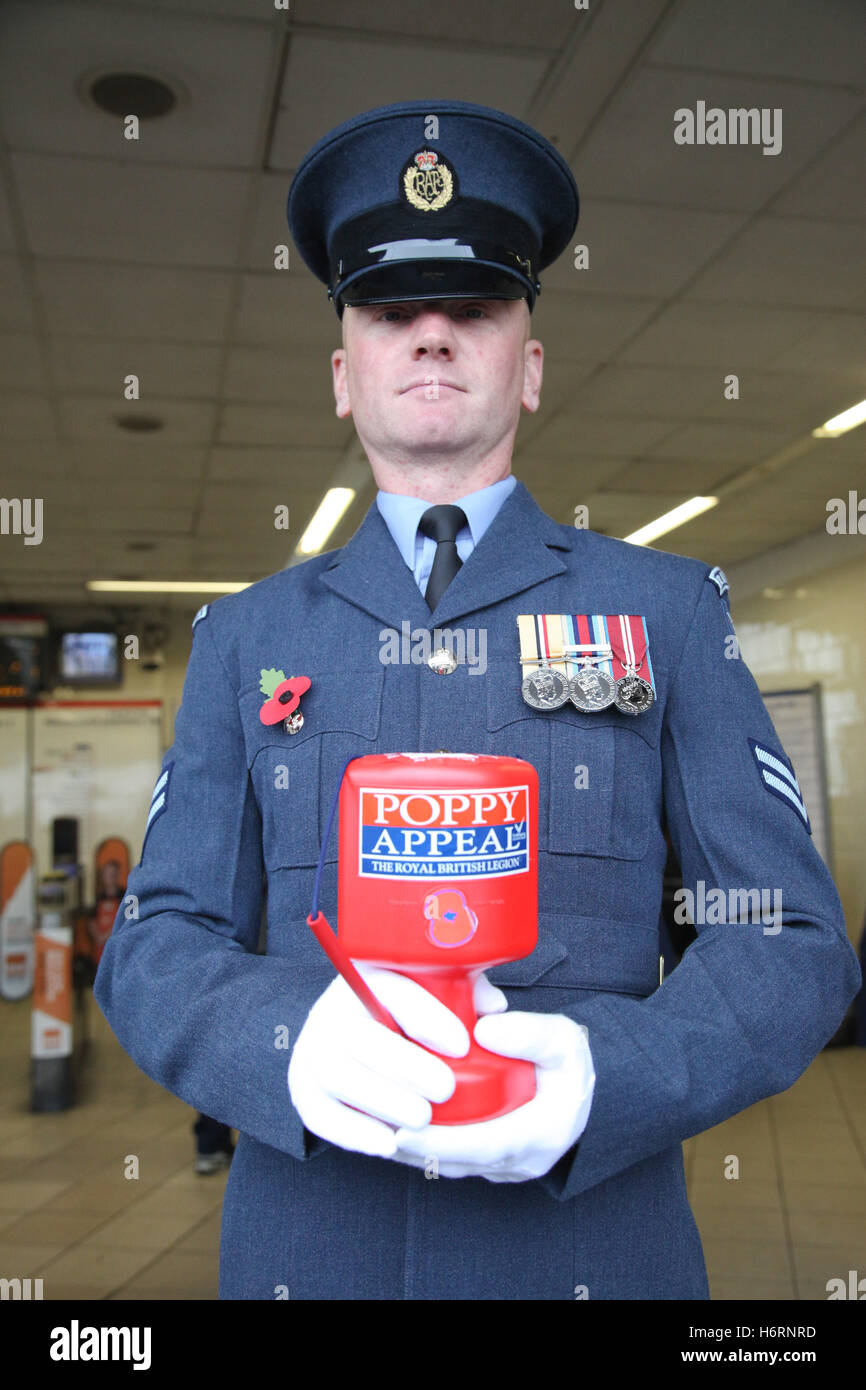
(518, 549)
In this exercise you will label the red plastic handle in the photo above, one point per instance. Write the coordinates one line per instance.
(324, 934)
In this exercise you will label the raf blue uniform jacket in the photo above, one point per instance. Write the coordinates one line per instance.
(240, 805)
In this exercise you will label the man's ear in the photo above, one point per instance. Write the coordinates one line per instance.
(341, 383)
(533, 367)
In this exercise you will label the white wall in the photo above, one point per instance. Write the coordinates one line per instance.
(816, 632)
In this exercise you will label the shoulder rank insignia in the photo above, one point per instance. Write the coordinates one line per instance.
(717, 577)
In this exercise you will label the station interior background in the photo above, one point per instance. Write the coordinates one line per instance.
(156, 257)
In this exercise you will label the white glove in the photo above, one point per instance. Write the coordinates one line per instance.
(526, 1142)
(343, 1058)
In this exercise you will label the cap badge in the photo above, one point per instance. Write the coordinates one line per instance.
(428, 181)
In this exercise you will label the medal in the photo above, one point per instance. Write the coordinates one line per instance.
(546, 686)
(633, 695)
(591, 686)
(591, 689)
(595, 660)
(628, 639)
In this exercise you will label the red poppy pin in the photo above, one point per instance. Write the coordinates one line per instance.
(285, 696)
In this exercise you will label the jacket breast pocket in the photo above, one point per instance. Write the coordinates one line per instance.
(599, 782)
(296, 775)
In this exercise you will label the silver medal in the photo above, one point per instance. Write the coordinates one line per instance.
(633, 694)
(591, 689)
(545, 688)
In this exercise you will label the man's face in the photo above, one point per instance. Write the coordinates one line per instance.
(436, 377)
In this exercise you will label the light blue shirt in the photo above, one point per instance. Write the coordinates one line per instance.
(402, 514)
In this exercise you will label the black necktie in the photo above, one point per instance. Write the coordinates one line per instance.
(442, 523)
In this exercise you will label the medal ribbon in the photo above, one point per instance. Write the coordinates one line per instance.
(628, 639)
(541, 639)
(586, 630)
(544, 637)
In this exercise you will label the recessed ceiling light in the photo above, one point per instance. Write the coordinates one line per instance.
(131, 94)
(139, 424)
(143, 91)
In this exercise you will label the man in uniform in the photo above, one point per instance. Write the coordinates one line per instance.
(430, 222)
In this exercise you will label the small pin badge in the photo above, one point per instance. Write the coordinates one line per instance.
(284, 698)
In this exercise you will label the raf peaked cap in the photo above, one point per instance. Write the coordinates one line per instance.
(431, 200)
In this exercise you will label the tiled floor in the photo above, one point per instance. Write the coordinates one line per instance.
(793, 1218)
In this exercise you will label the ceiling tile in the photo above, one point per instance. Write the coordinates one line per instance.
(7, 238)
(270, 227)
(125, 457)
(27, 416)
(778, 38)
(329, 80)
(566, 482)
(802, 400)
(832, 341)
(267, 424)
(494, 22)
(824, 473)
(163, 369)
(689, 477)
(110, 211)
(135, 301)
(299, 466)
(788, 260)
(831, 185)
(21, 362)
(716, 441)
(631, 153)
(587, 327)
(139, 523)
(15, 311)
(37, 459)
(728, 337)
(45, 50)
(252, 10)
(570, 433)
(268, 374)
(659, 392)
(282, 309)
(638, 249)
(95, 417)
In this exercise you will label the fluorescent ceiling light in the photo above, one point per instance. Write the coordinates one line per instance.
(671, 520)
(327, 517)
(840, 424)
(164, 586)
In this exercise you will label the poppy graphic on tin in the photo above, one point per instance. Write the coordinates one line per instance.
(452, 921)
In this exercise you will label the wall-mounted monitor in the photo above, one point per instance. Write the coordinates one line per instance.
(88, 658)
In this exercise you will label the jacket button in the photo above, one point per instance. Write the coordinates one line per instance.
(442, 661)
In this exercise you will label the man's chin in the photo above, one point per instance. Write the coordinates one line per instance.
(434, 445)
